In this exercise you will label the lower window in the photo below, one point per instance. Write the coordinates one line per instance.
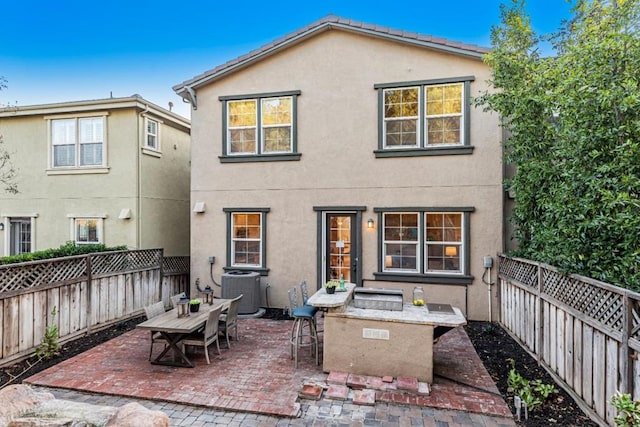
(87, 231)
(20, 238)
(246, 238)
(429, 242)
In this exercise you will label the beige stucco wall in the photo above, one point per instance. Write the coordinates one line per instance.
(52, 197)
(337, 135)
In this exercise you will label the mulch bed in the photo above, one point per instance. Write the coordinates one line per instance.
(494, 346)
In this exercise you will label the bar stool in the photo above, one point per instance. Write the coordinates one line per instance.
(304, 291)
(302, 316)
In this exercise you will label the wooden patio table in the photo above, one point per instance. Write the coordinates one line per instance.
(174, 329)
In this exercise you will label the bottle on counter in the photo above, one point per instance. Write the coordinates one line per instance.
(418, 296)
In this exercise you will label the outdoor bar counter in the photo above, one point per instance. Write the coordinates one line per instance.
(366, 341)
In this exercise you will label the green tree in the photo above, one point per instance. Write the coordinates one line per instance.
(574, 125)
(7, 171)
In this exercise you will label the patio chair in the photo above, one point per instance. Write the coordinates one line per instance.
(209, 336)
(175, 298)
(229, 320)
(154, 310)
(302, 316)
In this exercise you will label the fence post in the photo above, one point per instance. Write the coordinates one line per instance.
(161, 273)
(627, 324)
(539, 315)
(89, 292)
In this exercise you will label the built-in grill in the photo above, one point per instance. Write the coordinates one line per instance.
(378, 298)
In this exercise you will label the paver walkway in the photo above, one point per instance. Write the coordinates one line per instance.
(254, 384)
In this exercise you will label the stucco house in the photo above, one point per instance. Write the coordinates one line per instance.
(112, 171)
(353, 150)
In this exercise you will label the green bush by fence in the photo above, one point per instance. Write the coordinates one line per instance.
(68, 249)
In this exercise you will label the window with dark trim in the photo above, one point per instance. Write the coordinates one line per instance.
(429, 245)
(246, 239)
(260, 127)
(426, 117)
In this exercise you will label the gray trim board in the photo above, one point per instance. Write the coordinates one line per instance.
(339, 208)
(423, 209)
(285, 157)
(428, 82)
(260, 95)
(386, 153)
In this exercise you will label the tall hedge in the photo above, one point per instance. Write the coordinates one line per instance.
(574, 126)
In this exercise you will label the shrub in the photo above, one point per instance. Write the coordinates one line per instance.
(68, 249)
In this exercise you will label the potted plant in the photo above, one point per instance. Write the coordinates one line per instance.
(330, 287)
(194, 305)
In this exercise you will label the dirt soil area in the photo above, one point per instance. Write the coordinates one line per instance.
(494, 346)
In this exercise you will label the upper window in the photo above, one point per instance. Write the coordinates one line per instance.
(152, 134)
(260, 127)
(77, 142)
(425, 243)
(424, 117)
(246, 242)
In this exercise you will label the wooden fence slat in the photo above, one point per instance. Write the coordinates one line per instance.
(587, 365)
(553, 339)
(64, 311)
(10, 331)
(560, 353)
(39, 317)
(75, 308)
(546, 333)
(577, 356)
(568, 343)
(3, 327)
(612, 385)
(636, 377)
(26, 322)
(599, 369)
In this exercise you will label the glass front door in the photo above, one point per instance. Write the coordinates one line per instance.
(340, 240)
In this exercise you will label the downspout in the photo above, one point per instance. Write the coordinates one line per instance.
(139, 176)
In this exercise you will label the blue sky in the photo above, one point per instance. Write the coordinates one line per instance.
(69, 50)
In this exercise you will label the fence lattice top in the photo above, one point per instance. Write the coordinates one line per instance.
(602, 302)
(15, 277)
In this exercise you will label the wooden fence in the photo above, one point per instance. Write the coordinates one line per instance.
(88, 292)
(586, 333)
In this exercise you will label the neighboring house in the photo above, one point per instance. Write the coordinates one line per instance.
(112, 171)
(348, 149)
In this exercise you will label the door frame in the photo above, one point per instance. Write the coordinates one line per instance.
(321, 220)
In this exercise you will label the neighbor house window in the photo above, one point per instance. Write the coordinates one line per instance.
(86, 230)
(260, 127)
(425, 243)
(424, 117)
(246, 238)
(20, 235)
(77, 142)
(152, 130)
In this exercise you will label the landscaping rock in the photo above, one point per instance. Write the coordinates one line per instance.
(135, 415)
(17, 399)
(24, 407)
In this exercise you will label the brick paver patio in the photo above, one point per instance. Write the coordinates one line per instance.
(256, 376)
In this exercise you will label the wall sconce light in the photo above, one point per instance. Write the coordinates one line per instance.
(370, 223)
(1, 226)
(451, 251)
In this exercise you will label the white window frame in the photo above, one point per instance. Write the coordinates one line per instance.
(423, 146)
(74, 218)
(236, 239)
(6, 219)
(388, 266)
(232, 128)
(77, 167)
(421, 273)
(263, 126)
(147, 134)
(460, 245)
(387, 120)
(427, 143)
